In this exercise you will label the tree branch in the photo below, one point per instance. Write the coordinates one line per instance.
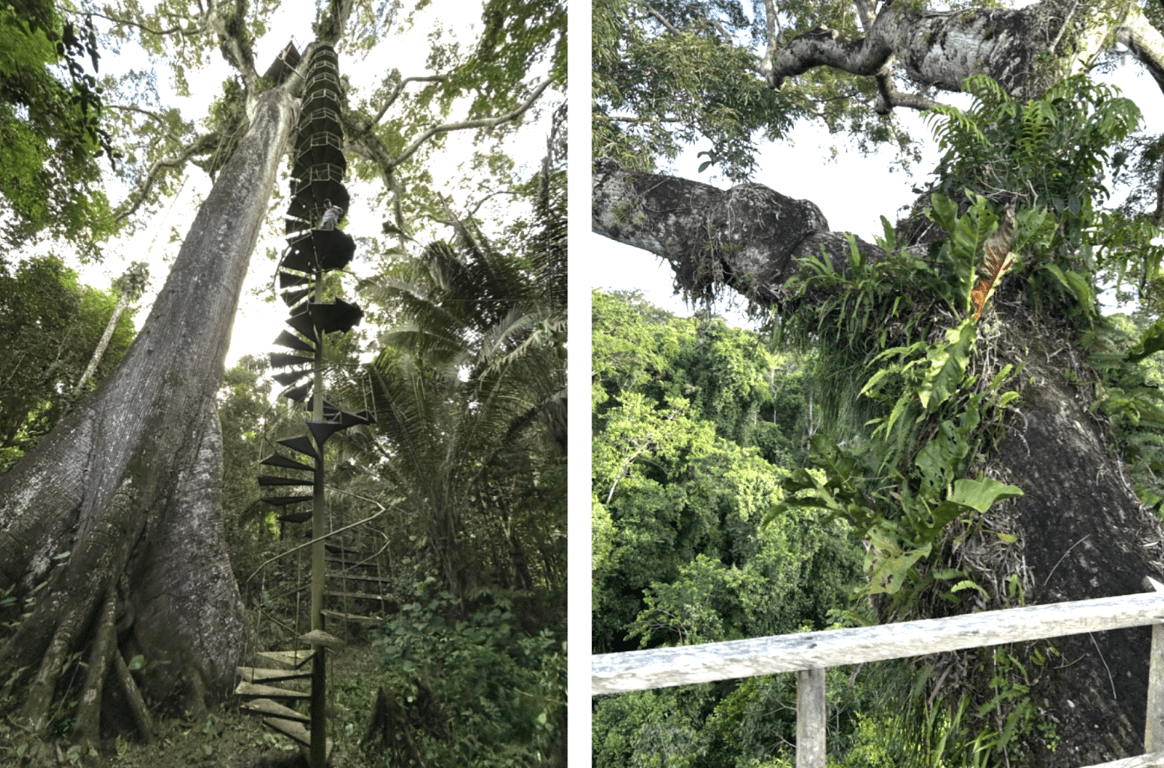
(332, 29)
(373, 149)
(148, 113)
(747, 238)
(225, 20)
(177, 30)
(134, 201)
(483, 122)
(889, 97)
(1001, 43)
(773, 33)
(635, 119)
(399, 90)
(1146, 44)
(659, 17)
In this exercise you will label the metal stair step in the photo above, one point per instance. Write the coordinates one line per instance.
(355, 577)
(351, 562)
(252, 690)
(286, 659)
(297, 733)
(260, 675)
(352, 617)
(274, 709)
(319, 637)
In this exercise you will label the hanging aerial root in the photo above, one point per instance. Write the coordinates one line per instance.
(86, 729)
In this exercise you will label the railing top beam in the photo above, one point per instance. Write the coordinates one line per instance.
(664, 667)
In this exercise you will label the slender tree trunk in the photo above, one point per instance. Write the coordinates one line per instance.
(122, 498)
(99, 352)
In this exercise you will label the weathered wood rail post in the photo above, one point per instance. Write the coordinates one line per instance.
(1154, 722)
(811, 653)
(810, 718)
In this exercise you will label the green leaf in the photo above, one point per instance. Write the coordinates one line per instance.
(947, 364)
(890, 235)
(945, 212)
(981, 494)
(967, 584)
(1151, 342)
(137, 662)
(888, 565)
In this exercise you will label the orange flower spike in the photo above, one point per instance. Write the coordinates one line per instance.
(996, 260)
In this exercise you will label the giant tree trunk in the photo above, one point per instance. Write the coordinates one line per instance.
(1083, 533)
(114, 519)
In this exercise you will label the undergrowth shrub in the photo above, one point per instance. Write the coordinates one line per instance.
(462, 685)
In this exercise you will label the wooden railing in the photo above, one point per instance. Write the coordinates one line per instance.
(809, 654)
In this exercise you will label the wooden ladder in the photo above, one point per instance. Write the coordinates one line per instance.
(274, 703)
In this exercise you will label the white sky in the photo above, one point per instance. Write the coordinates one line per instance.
(853, 192)
(259, 319)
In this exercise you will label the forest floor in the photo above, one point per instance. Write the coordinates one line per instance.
(231, 738)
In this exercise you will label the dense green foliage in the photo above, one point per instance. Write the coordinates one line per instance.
(473, 691)
(694, 424)
(51, 325)
(51, 132)
(684, 73)
(912, 399)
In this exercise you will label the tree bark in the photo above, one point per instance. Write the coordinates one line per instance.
(1083, 532)
(123, 496)
(1026, 50)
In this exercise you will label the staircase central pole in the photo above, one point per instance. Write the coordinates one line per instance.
(318, 564)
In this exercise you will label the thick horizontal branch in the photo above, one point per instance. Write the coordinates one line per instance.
(660, 668)
(747, 238)
(1026, 50)
(1145, 43)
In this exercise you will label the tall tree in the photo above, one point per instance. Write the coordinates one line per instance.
(112, 533)
(129, 288)
(899, 321)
